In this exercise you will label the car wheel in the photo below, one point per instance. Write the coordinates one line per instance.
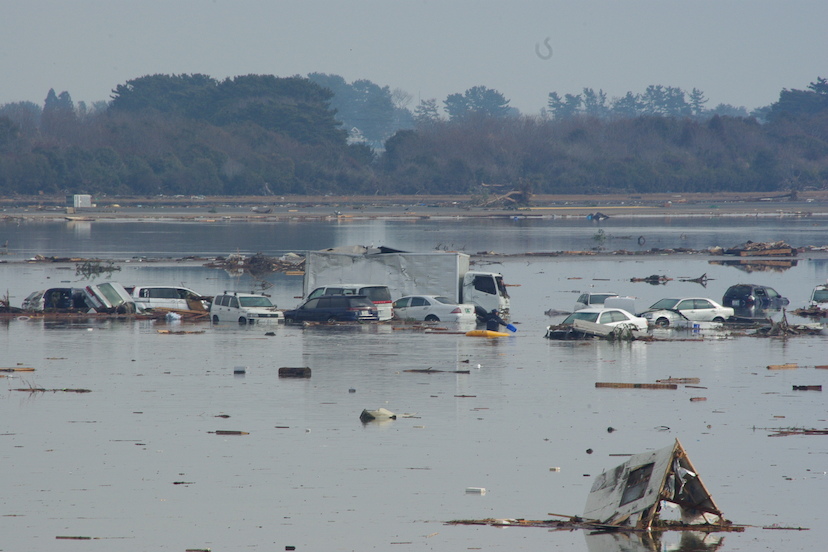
(432, 318)
(718, 319)
(331, 319)
(215, 319)
(242, 320)
(663, 322)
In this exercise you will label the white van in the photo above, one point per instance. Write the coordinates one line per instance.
(379, 295)
(244, 308)
(167, 297)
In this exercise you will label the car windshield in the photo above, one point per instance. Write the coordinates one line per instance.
(664, 304)
(581, 315)
(444, 300)
(255, 302)
(820, 295)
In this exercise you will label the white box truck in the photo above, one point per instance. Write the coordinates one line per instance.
(433, 273)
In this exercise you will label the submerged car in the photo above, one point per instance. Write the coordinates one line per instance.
(334, 308)
(246, 308)
(378, 294)
(678, 310)
(56, 300)
(433, 308)
(610, 317)
(751, 295)
(587, 300)
(167, 297)
(819, 297)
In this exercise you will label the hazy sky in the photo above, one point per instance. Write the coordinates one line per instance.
(740, 52)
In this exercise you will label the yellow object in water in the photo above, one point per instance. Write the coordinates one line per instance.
(486, 333)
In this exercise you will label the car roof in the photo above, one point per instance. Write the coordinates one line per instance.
(602, 309)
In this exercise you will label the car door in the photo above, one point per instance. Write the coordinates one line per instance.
(687, 308)
(310, 310)
(419, 308)
(704, 310)
(401, 308)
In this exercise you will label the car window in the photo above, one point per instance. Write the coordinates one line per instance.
(606, 318)
(583, 299)
(581, 315)
(376, 293)
(759, 292)
(618, 316)
(323, 303)
(257, 301)
(702, 304)
(402, 303)
(361, 302)
(664, 304)
(339, 302)
(234, 303)
(224, 300)
(163, 293)
(311, 304)
(418, 302)
(316, 293)
(599, 298)
(444, 300)
(772, 292)
(687, 304)
(820, 295)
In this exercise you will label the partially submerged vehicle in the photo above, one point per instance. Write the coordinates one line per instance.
(244, 308)
(587, 300)
(679, 311)
(107, 297)
(819, 297)
(597, 322)
(148, 298)
(56, 300)
(380, 295)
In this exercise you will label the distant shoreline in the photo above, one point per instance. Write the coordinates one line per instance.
(278, 208)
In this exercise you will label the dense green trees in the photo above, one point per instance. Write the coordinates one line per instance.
(265, 135)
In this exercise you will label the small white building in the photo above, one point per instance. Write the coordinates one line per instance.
(79, 201)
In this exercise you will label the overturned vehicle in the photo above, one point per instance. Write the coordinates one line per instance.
(107, 297)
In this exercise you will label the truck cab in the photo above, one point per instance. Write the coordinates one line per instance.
(486, 291)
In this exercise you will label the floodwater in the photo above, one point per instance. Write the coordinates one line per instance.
(136, 463)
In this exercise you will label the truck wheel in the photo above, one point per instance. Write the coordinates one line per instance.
(432, 318)
(242, 321)
(215, 319)
(663, 322)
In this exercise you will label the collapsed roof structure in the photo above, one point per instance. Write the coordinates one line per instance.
(631, 494)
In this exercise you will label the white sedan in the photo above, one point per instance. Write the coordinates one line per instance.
(433, 308)
(606, 317)
(681, 310)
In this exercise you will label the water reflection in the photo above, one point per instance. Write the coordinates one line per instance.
(671, 541)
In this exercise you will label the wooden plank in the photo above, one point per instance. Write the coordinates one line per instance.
(790, 366)
(300, 372)
(601, 384)
(679, 380)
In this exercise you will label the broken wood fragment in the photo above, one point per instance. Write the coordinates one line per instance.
(789, 366)
(433, 371)
(17, 369)
(42, 390)
(679, 380)
(612, 385)
(807, 388)
(229, 432)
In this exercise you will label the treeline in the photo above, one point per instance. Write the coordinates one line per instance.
(265, 135)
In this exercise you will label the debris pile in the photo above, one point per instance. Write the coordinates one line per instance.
(762, 249)
(258, 264)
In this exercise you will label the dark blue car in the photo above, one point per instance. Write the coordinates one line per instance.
(334, 308)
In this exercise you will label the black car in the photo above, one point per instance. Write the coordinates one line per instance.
(334, 308)
(751, 295)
